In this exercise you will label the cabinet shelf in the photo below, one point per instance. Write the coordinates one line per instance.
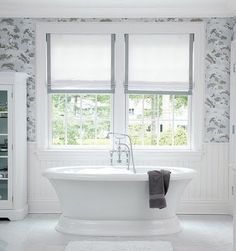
(3, 179)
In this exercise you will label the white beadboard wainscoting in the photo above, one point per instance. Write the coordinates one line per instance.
(208, 193)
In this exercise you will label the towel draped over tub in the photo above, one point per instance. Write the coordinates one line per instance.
(158, 187)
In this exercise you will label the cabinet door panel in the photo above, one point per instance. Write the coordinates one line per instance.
(5, 142)
(3, 190)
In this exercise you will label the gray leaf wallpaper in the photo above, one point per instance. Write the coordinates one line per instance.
(219, 36)
(17, 53)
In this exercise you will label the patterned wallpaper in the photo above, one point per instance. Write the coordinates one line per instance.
(17, 53)
(219, 36)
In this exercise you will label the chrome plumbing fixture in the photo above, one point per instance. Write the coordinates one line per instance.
(122, 148)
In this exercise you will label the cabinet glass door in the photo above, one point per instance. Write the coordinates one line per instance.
(5, 154)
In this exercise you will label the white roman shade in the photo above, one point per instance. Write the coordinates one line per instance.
(80, 63)
(159, 63)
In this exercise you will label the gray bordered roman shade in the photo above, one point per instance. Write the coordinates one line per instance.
(73, 83)
(160, 87)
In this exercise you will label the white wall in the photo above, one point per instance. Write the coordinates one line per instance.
(208, 193)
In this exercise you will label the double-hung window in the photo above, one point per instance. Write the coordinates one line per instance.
(159, 83)
(80, 81)
(143, 79)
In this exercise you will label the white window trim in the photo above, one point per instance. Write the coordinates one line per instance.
(198, 28)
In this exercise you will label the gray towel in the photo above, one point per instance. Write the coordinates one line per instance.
(158, 187)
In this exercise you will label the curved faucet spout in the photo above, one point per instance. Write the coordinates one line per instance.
(120, 136)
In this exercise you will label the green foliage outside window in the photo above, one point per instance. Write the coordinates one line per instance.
(152, 120)
(85, 119)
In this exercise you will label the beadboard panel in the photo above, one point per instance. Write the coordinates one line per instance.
(207, 193)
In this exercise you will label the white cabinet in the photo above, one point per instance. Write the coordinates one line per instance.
(13, 146)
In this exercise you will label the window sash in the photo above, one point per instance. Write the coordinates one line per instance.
(81, 121)
(172, 119)
(80, 86)
(171, 88)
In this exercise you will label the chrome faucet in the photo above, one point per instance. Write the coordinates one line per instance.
(127, 149)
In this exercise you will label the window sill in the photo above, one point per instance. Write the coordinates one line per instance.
(102, 155)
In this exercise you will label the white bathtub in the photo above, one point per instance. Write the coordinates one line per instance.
(105, 201)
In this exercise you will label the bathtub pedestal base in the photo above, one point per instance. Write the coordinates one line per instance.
(118, 227)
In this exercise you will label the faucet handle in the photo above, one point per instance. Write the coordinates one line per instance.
(111, 157)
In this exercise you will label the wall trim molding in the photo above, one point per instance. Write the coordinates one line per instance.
(103, 154)
(21, 11)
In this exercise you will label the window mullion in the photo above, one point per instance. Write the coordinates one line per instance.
(158, 118)
(119, 95)
(143, 124)
(65, 118)
(173, 119)
(96, 119)
(190, 121)
(80, 119)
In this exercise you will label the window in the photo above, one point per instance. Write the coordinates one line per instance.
(159, 120)
(140, 78)
(159, 71)
(80, 119)
(80, 74)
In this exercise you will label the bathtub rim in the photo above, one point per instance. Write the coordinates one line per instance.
(56, 173)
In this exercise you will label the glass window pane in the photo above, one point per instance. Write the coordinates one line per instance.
(81, 119)
(73, 131)
(88, 106)
(103, 128)
(58, 131)
(135, 107)
(80, 57)
(159, 120)
(166, 107)
(181, 107)
(180, 133)
(166, 133)
(150, 133)
(159, 58)
(136, 132)
(150, 106)
(88, 132)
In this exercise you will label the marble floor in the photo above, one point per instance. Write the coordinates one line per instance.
(36, 233)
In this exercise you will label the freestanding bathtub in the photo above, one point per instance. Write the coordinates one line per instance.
(109, 201)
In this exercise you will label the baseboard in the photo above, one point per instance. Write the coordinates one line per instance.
(196, 207)
(205, 207)
(14, 214)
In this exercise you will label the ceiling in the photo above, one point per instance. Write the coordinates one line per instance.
(116, 3)
(117, 8)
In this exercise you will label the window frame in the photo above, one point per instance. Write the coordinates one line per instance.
(51, 146)
(120, 101)
(166, 147)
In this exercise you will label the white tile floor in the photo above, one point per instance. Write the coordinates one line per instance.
(36, 233)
